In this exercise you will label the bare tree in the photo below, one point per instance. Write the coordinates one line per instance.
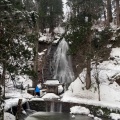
(96, 76)
(1, 105)
(88, 73)
(117, 12)
(109, 12)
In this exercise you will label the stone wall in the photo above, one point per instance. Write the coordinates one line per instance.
(45, 106)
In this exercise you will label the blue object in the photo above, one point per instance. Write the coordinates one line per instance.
(37, 89)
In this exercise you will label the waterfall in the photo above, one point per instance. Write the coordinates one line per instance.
(62, 64)
(52, 107)
(27, 105)
(60, 107)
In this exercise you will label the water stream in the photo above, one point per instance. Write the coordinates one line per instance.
(56, 116)
(27, 105)
(62, 64)
(52, 107)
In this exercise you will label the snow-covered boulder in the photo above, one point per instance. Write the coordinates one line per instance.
(79, 110)
(8, 116)
(114, 116)
(50, 96)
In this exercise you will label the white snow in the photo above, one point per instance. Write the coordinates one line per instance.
(37, 99)
(15, 93)
(60, 89)
(79, 110)
(48, 38)
(106, 71)
(13, 102)
(109, 89)
(50, 96)
(8, 116)
(90, 115)
(51, 82)
(104, 104)
(96, 118)
(115, 53)
(59, 30)
(114, 116)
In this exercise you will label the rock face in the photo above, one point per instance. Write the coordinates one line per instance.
(48, 67)
(45, 70)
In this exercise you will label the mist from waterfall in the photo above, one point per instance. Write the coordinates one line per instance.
(62, 64)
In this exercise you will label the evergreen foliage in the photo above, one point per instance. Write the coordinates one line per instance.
(83, 14)
(15, 40)
(50, 13)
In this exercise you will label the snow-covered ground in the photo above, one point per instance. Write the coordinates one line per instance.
(109, 89)
(8, 116)
(107, 72)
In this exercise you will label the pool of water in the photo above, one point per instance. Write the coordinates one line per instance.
(56, 116)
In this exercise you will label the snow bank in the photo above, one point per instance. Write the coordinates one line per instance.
(50, 96)
(52, 82)
(8, 116)
(59, 30)
(96, 118)
(69, 97)
(115, 116)
(23, 79)
(13, 102)
(37, 99)
(60, 89)
(107, 72)
(79, 110)
(115, 53)
(15, 93)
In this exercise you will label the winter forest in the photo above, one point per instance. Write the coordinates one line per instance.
(59, 59)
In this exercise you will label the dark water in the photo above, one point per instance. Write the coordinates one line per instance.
(56, 116)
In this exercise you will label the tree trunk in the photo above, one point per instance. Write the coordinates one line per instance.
(88, 72)
(35, 80)
(109, 12)
(97, 76)
(2, 96)
(117, 13)
(1, 108)
(3, 77)
(19, 109)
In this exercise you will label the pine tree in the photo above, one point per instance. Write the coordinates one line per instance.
(50, 12)
(15, 40)
(83, 14)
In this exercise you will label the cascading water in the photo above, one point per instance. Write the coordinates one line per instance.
(62, 64)
(52, 107)
(27, 105)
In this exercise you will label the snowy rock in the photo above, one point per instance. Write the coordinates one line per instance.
(12, 102)
(100, 112)
(59, 30)
(90, 115)
(73, 116)
(51, 82)
(8, 116)
(96, 118)
(50, 96)
(114, 116)
(79, 110)
(60, 89)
